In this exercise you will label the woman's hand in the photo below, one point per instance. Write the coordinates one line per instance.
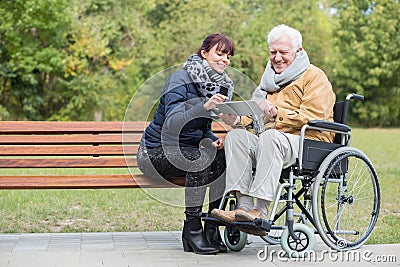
(218, 144)
(217, 98)
(230, 119)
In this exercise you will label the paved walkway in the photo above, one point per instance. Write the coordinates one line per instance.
(165, 249)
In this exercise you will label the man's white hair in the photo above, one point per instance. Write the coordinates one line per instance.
(283, 29)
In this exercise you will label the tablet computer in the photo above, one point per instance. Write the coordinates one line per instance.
(240, 108)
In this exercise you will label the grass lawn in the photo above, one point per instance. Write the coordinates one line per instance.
(114, 210)
(383, 148)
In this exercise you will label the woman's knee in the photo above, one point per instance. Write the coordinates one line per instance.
(220, 159)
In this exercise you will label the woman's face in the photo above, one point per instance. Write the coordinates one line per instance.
(281, 53)
(217, 60)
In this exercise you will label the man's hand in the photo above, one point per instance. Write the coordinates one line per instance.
(268, 108)
(230, 119)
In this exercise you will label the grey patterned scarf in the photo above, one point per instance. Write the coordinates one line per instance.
(208, 81)
(271, 81)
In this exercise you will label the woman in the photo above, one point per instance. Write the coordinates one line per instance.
(179, 140)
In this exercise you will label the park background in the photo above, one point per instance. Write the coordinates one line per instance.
(85, 59)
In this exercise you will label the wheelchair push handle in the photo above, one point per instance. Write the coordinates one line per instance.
(355, 97)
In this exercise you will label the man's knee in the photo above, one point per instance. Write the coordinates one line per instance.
(234, 135)
(270, 136)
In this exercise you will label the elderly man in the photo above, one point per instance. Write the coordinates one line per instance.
(291, 92)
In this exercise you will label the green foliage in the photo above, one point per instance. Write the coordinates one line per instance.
(59, 59)
(367, 45)
(180, 27)
(32, 36)
(84, 60)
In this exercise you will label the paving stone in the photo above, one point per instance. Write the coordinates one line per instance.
(153, 249)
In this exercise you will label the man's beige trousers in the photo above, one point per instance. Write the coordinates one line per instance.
(269, 153)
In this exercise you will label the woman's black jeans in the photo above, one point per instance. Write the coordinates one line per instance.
(200, 167)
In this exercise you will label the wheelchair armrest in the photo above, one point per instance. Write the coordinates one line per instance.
(328, 125)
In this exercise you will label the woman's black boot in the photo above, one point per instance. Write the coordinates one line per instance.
(214, 237)
(212, 230)
(194, 239)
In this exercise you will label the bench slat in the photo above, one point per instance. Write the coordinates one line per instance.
(66, 163)
(54, 127)
(69, 139)
(66, 150)
(74, 139)
(86, 181)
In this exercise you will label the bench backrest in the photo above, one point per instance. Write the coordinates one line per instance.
(37, 154)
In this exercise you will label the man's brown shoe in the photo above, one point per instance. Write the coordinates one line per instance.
(249, 216)
(226, 216)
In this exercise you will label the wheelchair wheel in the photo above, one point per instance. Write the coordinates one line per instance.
(235, 240)
(273, 237)
(301, 247)
(346, 199)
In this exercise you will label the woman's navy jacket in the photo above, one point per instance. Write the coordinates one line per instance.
(180, 117)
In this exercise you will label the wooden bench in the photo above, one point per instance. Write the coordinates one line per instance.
(73, 155)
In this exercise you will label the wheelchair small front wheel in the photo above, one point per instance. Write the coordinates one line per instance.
(303, 245)
(235, 240)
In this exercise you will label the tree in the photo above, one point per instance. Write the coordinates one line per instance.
(179, 26)
(368, 50)
(65, 60)
(84, 60)
(32, 34)
(104, 41)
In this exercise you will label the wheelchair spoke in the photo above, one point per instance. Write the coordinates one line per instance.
(347, 200)
(300, 244)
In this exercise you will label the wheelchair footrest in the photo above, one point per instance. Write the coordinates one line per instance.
(259, 227)
(266, 225)
(251, 228)
(210, 219)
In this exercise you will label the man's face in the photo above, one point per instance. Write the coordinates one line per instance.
(281, 53)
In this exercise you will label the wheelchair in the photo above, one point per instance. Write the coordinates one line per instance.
(332, 191)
